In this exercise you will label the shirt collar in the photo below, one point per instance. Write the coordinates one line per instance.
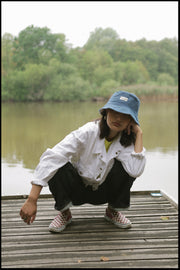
(99, 146)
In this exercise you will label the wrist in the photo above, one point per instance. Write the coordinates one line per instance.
(32, 199)
(139, 132)
(34, 194)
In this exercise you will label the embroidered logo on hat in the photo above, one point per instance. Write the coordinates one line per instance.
(124, 98)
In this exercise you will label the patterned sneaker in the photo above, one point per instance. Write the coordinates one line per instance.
(117, 218)
(61, 221)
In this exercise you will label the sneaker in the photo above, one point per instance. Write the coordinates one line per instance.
(61, 221)
(117, 218)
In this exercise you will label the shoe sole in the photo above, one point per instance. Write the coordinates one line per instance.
(60, 229)
(120, 225)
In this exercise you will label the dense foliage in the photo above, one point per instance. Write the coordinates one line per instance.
(38, 65)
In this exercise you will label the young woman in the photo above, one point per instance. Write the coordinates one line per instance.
(95, 164)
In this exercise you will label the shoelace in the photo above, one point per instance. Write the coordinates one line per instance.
(120, 217)
(60, 219)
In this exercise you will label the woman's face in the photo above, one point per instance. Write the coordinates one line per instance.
(117, 121)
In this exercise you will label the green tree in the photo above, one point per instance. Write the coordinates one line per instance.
(108, 87)
(67, 88)
(102, 39)
(44, 56)
(28, 84)
(34, 43)
(101, 74)
(90, 60)
(170, 45)
(66, 84)
(39, 65)
(165, 79)
(7, 63)
(168, 64)
(123, 51)
(130, 72)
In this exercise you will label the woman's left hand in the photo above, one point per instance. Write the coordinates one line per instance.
(133, 127)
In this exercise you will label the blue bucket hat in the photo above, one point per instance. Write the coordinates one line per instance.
(124, 102)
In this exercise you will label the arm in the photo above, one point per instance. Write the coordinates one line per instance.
(138, 146)
(29, 209)
(53, 159)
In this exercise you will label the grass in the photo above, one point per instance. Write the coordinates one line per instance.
(152, 90)
(145, 91)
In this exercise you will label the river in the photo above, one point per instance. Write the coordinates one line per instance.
(29, 128)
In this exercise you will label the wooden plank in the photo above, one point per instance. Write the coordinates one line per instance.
(134, 205)
(95, 236)
(163, 263)
(89, 245)
(93, 225)
(170, 199)
(60, 258)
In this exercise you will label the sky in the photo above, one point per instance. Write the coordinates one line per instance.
(132, 20)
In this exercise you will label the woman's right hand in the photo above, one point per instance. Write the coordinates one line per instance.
(28, 211)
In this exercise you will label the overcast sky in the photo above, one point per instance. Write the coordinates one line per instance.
(132, 20)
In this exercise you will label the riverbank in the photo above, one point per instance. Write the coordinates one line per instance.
(144, 98)
(146, 92)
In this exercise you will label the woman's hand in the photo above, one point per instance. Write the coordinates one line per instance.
(133, 127)
(28, 211)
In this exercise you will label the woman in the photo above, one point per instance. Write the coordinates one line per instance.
(95, 164)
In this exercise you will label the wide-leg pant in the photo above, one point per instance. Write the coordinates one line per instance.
(67, 187)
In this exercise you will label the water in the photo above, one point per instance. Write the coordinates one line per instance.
(29, 128)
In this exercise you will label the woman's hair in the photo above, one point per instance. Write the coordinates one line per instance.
(125, 140)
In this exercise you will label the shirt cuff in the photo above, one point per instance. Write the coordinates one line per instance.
(140, 154)
(39, 183)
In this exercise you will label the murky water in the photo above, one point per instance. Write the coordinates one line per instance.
(29, 128)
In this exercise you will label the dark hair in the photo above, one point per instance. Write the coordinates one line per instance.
(125, 140)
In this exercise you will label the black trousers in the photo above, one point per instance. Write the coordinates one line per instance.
(67, 186)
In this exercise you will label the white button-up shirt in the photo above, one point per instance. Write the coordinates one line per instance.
(86, 151)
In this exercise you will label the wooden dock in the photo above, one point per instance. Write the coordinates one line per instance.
(90, 241)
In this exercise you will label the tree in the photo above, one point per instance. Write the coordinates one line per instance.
(108, 87)
(170, 45)
(68, 88)
(165, 79)
(102, 39)
(90, 60)
(168, 64)
(28, 84)
(39, 65)
(7, 54)
(101, 74)
(130, 72)
(34, 43)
